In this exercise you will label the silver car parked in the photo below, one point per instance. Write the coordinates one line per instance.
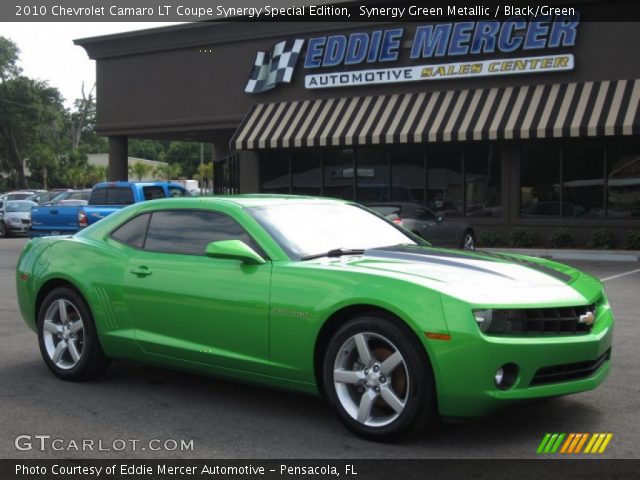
(15, 217)
(425, 223)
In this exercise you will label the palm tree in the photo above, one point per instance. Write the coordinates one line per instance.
(168, 171)
(139, 170)
(205, 173)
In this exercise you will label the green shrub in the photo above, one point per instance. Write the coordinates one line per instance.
(489, 239)
(561, 238)
(521, 238)
(601, 238)
(633, 240)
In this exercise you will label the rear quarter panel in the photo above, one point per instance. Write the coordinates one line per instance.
(92, 267)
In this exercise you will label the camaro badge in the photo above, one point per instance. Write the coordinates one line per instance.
(588, 318)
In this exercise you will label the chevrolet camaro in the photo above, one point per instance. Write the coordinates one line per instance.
(318, 296)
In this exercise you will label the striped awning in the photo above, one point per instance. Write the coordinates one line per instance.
(544, 111)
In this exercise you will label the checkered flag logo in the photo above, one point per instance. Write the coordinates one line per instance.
(273, 67)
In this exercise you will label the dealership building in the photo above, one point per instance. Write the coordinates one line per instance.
(505, 124)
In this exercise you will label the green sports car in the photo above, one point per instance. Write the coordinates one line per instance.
(319, 296)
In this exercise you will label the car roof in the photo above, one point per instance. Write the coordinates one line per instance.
(254, 200)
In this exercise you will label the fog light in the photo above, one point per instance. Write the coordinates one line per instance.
(506, 376)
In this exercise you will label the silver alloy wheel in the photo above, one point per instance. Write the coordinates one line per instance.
(371, 379)
(63, 333)
(468, 243)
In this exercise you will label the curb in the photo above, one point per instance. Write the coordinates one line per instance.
(588, 255)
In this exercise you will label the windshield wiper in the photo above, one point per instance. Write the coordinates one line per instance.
(338, 252)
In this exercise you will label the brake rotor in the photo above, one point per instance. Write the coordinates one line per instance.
(398, 377)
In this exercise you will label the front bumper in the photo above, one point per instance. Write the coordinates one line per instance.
(465, 366)
(15, 227)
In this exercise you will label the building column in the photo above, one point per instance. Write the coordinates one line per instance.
(249, 177)
(118, 159)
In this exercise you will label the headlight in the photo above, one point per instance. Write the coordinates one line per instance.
(491, 320)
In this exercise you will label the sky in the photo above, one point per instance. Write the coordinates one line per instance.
(47, 51)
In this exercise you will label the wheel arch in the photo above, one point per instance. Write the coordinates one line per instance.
(344, 314)
(49, 286)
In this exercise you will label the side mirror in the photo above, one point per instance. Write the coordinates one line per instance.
(234, 250)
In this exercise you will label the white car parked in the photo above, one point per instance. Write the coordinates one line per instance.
(15, 217)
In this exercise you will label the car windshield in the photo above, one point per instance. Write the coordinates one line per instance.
(19, 206)
(311, 229)
(60, 196)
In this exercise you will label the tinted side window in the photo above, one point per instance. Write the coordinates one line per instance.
(178, 192)
(133, 232)
(111, 196)
(98, 196)
(189, 232)
(425, 215)
(151, 193)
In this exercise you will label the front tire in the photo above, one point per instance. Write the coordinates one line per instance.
(4, 231)
(67, 336)
(378, 379)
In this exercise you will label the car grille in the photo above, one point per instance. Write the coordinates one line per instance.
(540, 321)
(569, 371)
(25, 221)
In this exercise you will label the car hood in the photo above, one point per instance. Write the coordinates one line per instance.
(17, 215)
(475, 277)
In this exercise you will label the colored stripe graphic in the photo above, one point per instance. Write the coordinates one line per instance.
(543, 443)
(573, 443)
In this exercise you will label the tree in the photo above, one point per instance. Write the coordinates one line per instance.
(31, 117)
(204, 174)
(77, 176)
(168, 171)
(96, 174)
(188, 155)
(26, 105)
(147, 149)
(9, 54)
(139, 170)
(83, 118)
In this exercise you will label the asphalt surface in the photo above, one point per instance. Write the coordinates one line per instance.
(230, 420)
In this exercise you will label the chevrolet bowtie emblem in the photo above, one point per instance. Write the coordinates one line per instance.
(588, 318)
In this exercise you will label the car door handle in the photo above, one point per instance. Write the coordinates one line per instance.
(141, 271)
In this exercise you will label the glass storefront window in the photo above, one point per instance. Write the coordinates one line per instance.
(483, 192)
(338, 173)
(407, 174)
(373, 175)
(583, 180)
(444, 177)
(306, 172)
(623, 179)
(540, 180)
(274, 171)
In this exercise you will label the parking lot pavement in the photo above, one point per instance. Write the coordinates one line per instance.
(229, 420)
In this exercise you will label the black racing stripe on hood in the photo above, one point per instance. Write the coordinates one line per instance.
(563, 277)
(428, 255)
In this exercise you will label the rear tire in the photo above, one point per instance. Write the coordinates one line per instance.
(67, 336)
(378, 378)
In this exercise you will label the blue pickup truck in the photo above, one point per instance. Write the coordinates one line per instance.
(105, 198)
